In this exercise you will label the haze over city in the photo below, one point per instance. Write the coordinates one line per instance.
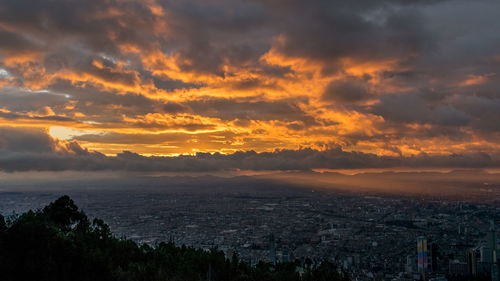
(328, 135)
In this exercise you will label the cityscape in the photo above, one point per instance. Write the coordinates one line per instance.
(368, 236)
(249, 140)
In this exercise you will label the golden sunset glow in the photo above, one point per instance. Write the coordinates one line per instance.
(170, 79)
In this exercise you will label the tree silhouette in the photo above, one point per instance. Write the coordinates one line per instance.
(59, 243)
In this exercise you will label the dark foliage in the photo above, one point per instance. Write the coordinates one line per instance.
(404, 223)
(60, 243)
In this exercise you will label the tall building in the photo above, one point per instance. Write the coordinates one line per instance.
(486, 254)
(472, 261)
(457, 268)
(410, 264)
(285, 255)
(491, 240)
(422, 256)
(434, 253)
(272, 249)
(494, 273)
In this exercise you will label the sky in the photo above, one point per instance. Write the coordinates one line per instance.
(205, 85)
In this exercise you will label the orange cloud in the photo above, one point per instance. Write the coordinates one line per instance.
(149, 81)
(476, 79)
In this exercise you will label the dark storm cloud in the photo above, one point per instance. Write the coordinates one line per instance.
(18, 140)
(70, 34)
(274, 70)
(209, 34)
(102, 106)
(14, 43)
(206, 35)
(346, 91)
(485, 112)
(331, 30)
(109, 73)
(171, 84)
(86, 20)
(173, 107)
(30, 140)
(411, 108)
(14, 116)
(26, 105)
(22, 101)
(25, 150)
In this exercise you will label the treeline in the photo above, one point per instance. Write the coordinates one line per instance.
(60, 243)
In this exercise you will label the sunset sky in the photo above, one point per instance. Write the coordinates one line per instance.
(267, 84)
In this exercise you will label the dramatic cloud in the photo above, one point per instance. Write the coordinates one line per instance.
(35, 150)
(346, 91)
(399, 82)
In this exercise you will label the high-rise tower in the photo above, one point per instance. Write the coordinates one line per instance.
(491, 240)
(422, 255)
(272, 249)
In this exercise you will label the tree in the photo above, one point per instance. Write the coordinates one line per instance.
(326, 271)
(3, 226)
(63, 213)
(59, 243)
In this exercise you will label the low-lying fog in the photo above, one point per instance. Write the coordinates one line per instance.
(470, 185)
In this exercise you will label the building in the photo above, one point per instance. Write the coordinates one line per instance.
(434, 253)
(410, 264)
(491, 241)
(285, 256)
(494, 273)
(458, 268)
(486, 254)
(422, 255)
(272, 249)
(472, 261)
